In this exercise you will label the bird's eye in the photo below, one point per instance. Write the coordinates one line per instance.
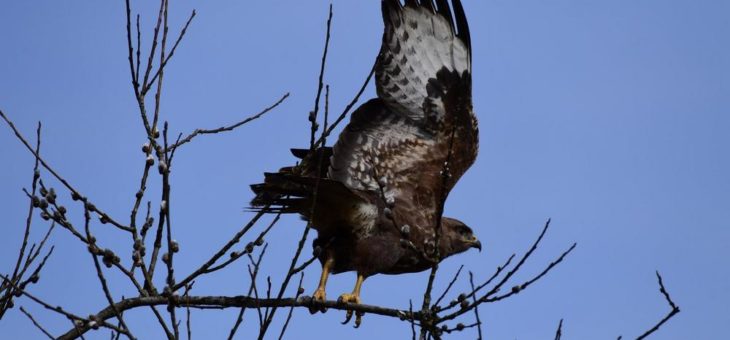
(464, 231)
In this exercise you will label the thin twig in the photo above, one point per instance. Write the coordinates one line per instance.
(187, 311)
(254, 274)
(559, 332)
(151, 59)
(68, 315)
(674, 309)
(300, 290)
(28, 222)
(304, 265)
(320, 84)
(37, 325)
(519, 288)
(492, 297)
(54, 173)
(448, 288)
(139, 50)
(164, 60)
(522, 261)
(411, 320)
(236, 238)
(476, 307)
(100, 275)
(197, 132)
(130, 48)
(347, 109)
(246, 251)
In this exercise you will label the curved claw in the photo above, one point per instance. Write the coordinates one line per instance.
(354, 299)
(348, 317)
(358, 318)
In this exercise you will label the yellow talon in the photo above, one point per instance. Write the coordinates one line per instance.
(353, 298)
(320, 294)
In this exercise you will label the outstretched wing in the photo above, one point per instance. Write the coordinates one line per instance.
(398, 143)
(393, 150)
(426, 51)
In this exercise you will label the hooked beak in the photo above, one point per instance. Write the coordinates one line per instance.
(475, 243)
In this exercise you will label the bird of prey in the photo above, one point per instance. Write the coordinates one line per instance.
(376, 197)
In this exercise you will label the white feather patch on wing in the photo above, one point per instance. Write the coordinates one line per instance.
(417, 45)
(364, 218)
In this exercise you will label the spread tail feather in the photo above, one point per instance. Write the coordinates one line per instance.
(292, 188)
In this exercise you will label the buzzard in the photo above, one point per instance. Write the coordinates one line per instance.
(375, 197)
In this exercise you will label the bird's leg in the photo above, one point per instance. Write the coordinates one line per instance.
(355, 299)
(320, 294)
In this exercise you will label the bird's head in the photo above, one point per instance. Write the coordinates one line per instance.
(457, 237)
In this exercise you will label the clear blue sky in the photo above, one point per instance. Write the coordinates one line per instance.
(611, 117)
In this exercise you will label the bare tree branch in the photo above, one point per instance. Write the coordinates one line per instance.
(197, 132)
(17, 276)
(223, 302)
(674, 309)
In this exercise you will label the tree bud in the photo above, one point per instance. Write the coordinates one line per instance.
(405, 230)
(162, 167)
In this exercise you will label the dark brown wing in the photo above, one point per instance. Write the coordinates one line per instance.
(396, 145)
(386, 154)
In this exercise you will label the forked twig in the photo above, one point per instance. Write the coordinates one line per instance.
(674, 309)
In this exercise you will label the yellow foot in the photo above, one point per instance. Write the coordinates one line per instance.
(318, 296)
(354, 299)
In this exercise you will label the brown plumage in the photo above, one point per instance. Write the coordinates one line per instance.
(375, 196)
